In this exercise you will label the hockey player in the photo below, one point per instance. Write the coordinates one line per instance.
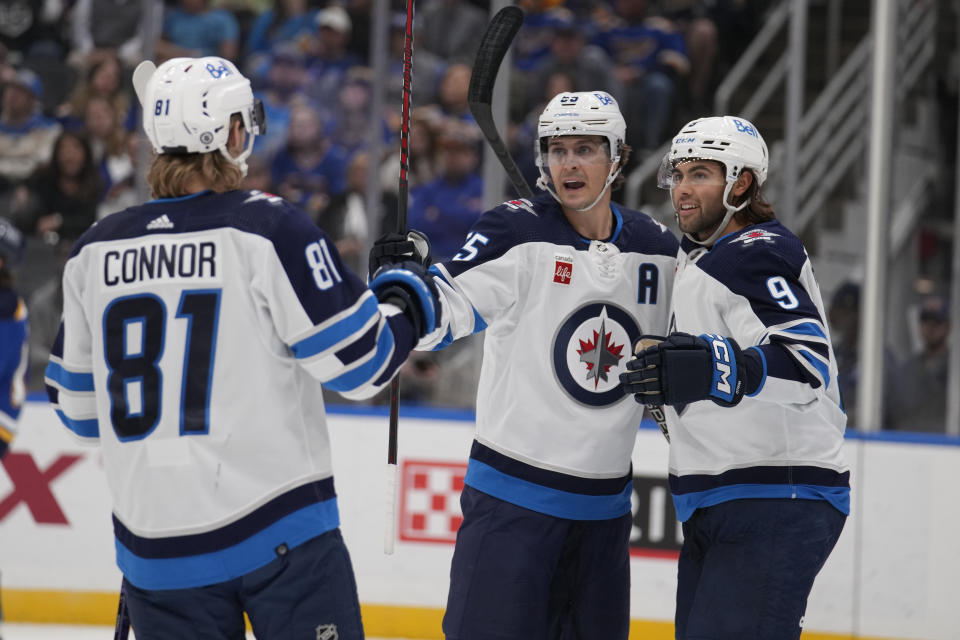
(197, 331)
(13, 337)
(749, 381)
(563, 284)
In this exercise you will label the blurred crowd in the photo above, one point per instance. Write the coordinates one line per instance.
(71, 150)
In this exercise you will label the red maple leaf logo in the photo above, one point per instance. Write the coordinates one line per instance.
(608, 347)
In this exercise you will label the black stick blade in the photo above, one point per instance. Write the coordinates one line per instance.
(496, 40)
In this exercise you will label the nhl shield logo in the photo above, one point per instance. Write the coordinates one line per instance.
(590, 350)
(327, 632)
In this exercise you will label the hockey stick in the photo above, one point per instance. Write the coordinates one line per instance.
(390, 524)
(121, 630)
(496, 40)
(656, 411)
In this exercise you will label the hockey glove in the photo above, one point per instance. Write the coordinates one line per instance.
(408, 286)
(393, 248)
(684, 368)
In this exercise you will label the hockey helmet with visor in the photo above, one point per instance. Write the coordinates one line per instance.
(188, 102)
(733, 142)
(584, 113)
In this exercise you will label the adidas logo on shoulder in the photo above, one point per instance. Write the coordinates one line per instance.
(163, 222)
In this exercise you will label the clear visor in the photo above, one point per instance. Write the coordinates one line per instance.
(692, 171)
(558, 151)
(258, 118)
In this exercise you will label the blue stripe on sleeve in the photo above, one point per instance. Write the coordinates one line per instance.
(806, 329)
(819, 365)
(338, 332)
(69, 380)
(88, 428)
(556, 502)
(365, 372)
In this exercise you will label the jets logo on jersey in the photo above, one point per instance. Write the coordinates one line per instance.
(589, 349)
(753, 235)
(522, 203)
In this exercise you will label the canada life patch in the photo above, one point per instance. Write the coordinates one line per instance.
(563, 272)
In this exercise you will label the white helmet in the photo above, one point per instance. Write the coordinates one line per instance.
(585, 113)
(187, 104)
(731, 141)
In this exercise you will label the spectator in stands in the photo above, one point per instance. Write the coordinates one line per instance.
(649, 55)
(103, 80)
(193, 29)
(921, 398)
(60, 199)
(532, 43)
(450, 29)
(283, 84)
(454, 89)
(346, 219)
(569, 53)
(329, 55)
(26, 135)
(354, 121)
(425, 123)
(716, 33)
(288, 22)
(28, 29)
(428, 67)
(109, 144)
(447, 207)
(102, 28)
(844, 319)
(309, 169)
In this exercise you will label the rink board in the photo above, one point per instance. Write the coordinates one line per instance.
(893, 574)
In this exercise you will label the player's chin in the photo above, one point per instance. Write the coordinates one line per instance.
(574, 198)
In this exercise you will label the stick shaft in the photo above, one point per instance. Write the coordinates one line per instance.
(403, 193)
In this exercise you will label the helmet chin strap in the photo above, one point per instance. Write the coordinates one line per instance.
(731, 210)
(240, 160)
(546, 185)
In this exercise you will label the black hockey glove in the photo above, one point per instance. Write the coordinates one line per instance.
(410, 287)
(684, 368)
(392, 248)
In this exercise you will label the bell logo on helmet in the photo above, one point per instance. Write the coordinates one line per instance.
(745, 128)
(218, 72)
(604, 98)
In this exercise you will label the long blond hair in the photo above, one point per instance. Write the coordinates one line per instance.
(171, 173)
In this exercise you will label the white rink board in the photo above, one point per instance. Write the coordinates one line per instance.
(895, 572)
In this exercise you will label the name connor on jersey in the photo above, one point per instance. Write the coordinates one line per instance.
(168, 260)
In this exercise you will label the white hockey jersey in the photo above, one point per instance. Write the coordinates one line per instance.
(757, 286)
(555, 430)
(196, 334)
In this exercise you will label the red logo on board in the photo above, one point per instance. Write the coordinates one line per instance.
(430, 500)
(563, 272)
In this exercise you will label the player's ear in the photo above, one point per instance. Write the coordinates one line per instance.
(743, 183)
